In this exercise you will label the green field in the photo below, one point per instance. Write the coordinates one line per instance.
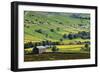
(62, 48)
(66, 52)
(46, 21)
(67, 32)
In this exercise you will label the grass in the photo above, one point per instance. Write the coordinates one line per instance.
(67, 41)
(63, 48)
(64, 21)
(67, 48)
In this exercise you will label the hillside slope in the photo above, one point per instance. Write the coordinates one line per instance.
(39, 26)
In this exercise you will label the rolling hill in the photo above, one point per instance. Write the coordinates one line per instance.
(39, 26)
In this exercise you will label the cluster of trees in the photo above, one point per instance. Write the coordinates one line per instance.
(28, 45)
(86, 47)
(36, 20)
(45, 33)
(82, 35)
(55, 49)
(41, 43)
(39, 31)
(44, 43)
(79, 16)
(53, 30)
(42, 31)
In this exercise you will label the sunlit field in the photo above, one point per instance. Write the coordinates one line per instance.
(65, 52)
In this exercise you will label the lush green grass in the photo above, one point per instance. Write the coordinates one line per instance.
(75, 40)
(64, 21)
(68, 48)
(63, 48)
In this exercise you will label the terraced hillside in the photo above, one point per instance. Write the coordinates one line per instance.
(53, 26)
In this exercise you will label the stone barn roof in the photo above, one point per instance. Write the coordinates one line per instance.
(41, 47)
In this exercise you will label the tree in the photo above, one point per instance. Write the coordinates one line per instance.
(65, 36)
(60, 23)
(58, 29)
(57, 49)
(61, 39)
(86, 47)
(46, 35)
(52, 30)
(57, 43)
(84, 35)
(54, 49)
(28, 45)
(44, 43)
(70, 36)
(39, 30)
(35, 50)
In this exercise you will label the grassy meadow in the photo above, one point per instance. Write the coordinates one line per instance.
(64, 36)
